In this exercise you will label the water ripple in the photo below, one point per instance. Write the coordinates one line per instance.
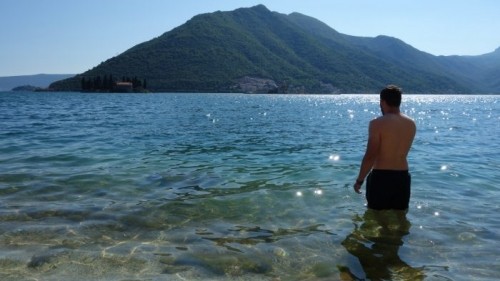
(223, 186)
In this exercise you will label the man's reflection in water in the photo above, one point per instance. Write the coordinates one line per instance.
(376, 243)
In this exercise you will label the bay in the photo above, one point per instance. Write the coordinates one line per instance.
(240, 187)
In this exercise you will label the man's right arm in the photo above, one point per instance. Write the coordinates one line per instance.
(371, 153)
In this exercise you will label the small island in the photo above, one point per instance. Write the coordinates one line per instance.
(27, 88)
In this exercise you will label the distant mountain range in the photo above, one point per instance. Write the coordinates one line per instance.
(256, 50)
(8, 83)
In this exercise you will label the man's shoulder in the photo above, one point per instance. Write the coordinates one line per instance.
(406, 117)
(391, 119)
(377, 124)
(380, 119)
(409, 119)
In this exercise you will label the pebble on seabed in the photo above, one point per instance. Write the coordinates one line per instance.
(280, 252)
(466, 236)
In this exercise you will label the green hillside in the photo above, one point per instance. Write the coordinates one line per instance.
(256, 50)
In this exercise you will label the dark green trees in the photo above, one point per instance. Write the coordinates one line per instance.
(108, 83)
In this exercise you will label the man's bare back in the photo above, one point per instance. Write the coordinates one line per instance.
(395, 133)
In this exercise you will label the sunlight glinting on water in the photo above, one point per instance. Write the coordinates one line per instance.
(227, 186)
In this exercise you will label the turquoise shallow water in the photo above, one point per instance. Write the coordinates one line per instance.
(240, 187)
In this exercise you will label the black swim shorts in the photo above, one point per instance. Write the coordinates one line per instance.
(388, 189)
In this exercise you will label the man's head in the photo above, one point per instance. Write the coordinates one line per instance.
(391, 95)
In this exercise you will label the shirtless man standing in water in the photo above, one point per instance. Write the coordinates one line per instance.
(389, 140)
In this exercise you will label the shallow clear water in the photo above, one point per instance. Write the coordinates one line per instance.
(240, 187)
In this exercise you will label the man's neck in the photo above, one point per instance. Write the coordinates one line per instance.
(392, 110)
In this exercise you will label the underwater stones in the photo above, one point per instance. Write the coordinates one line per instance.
(228, 264)
(170, 269)
(280, 252)
(10, 263)
(322, 270)
(46, 262)
(466, 236)
(72, 244)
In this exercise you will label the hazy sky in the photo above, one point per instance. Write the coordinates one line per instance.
(72, 36)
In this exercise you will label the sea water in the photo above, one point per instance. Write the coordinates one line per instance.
(240, 187)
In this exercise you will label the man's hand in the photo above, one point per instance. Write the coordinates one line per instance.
(357, 187)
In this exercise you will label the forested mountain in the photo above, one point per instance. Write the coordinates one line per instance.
(256, 50)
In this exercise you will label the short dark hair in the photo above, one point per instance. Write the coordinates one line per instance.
(391, 95)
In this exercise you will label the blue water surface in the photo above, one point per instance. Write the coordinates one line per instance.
(240, 187)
